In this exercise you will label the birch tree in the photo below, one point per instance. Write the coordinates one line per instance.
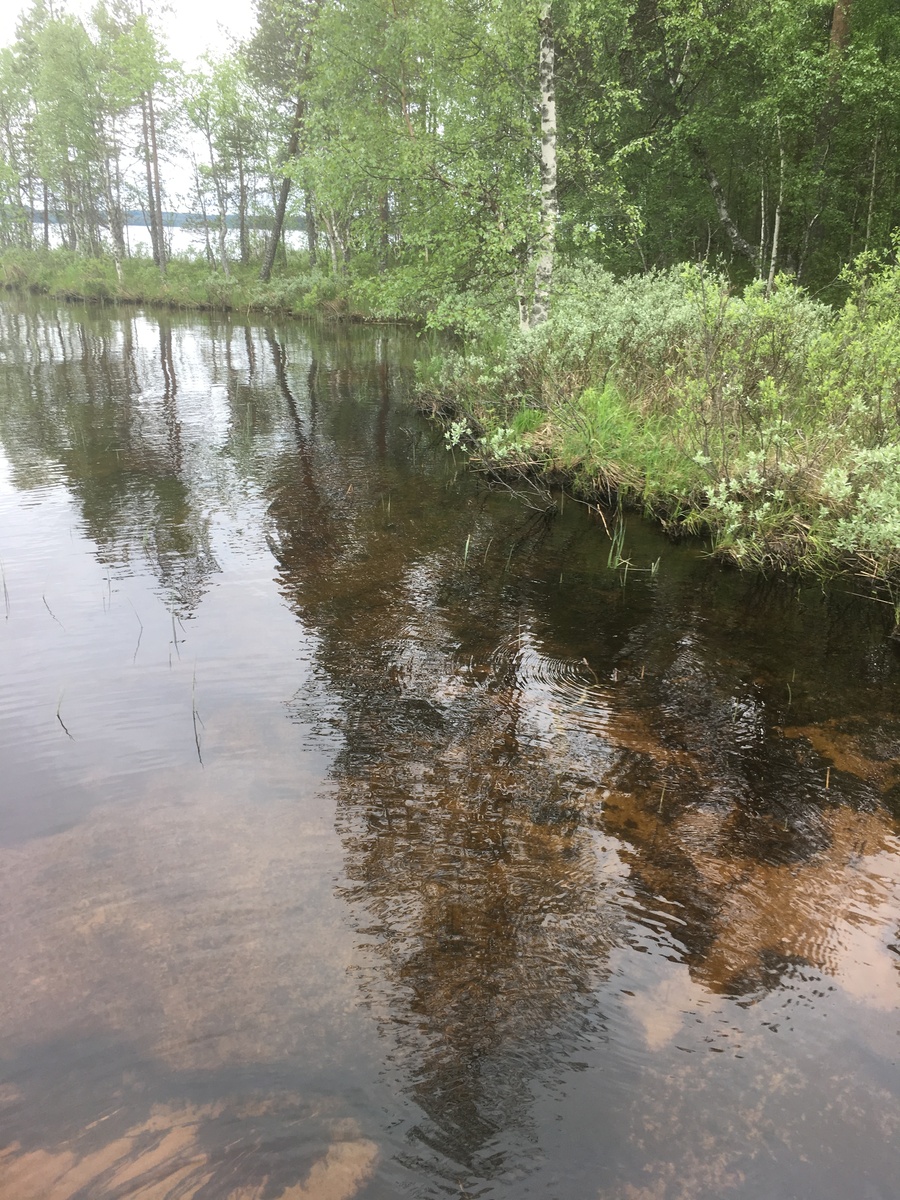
(543, 274)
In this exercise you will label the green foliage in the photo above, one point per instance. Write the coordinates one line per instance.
(770, 424)
(189, 283)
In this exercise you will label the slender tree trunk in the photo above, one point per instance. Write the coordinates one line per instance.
(223, 245)
(332, 241)
(384, 206)
(543, 275)
(222, 224)
(117, 233)
(157, 187)
(871, 211)
(242, 210)
(738, 241)
(281, 208)
(312, 239)
(115, 221)
(210, 257)
(148, 168)
(776, 227)
(117, 191)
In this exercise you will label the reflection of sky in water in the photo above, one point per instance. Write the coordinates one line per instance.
(484, 885)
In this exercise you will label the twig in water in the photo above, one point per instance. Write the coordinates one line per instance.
(140, 635)
(59, 718)
(827, 778)
(53, 614)
(466, 551)
(5, 592)
(195, 716)
(662, 796)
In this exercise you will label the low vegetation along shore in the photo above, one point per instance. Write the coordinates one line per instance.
(187, 283)
(767, 423)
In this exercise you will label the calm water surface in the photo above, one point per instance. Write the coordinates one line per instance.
(364, 834)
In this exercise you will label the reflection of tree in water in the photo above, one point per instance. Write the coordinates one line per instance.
(482, 717)
(731, 708)
(470, 875)
(94, 402)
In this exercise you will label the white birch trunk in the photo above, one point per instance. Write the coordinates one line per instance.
(543, 274)
(872, 191)
(776, 228)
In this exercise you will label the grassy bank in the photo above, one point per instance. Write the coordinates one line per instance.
(770, 425)
(189, 283)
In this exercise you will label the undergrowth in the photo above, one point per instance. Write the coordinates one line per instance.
(769, 424)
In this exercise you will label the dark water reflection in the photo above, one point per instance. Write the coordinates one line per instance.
(364, 834)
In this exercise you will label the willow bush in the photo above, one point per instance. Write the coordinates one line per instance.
(769, 422)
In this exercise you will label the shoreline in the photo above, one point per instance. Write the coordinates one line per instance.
(738, 419)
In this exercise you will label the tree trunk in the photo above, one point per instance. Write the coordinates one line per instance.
(148, 168)
(871, 211)
(312, 237)
(543, 275)
(201, 203)
(840, 25)
(776, 227)
(278, 223)
(738, 241)
(157, 188)
(222, 228)
(242, 211)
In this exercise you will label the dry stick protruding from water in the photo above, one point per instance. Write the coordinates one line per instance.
(140, 635)
(53, 614)
(59, 717)
(175, 635)
(195, 715)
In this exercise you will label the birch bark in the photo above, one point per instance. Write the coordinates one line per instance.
(543, 275)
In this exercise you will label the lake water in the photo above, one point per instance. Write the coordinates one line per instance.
(179, 240)
(364, 833)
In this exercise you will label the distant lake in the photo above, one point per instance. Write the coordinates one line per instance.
(179, 239)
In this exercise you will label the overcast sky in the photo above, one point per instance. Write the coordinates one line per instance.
(191, 26)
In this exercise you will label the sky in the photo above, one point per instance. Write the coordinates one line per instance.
(191, 27)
